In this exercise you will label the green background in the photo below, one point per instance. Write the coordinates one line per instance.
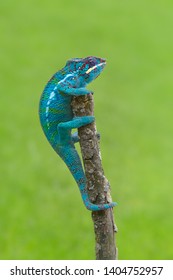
(41, 211)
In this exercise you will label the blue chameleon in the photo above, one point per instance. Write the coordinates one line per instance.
(57, 118)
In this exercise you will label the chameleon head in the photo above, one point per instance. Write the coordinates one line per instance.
(87, 69)
(92, 67)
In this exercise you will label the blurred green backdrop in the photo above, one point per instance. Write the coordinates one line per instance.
(41, 212)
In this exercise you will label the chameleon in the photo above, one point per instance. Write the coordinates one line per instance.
(57, 119)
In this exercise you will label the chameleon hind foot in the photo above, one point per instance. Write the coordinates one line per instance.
(99, 207)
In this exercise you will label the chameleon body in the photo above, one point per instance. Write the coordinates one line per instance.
(57, 119)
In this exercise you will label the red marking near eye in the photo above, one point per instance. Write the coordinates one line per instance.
(83, 66)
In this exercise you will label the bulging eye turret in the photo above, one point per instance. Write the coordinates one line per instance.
(91, 63)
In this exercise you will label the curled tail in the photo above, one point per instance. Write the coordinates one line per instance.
(72, 160)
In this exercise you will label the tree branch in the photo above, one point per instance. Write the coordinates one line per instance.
(97, 185)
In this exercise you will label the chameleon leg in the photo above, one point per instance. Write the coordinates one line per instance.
(64, 128)
(78, 122)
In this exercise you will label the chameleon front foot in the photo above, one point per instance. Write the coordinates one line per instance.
(99, 207)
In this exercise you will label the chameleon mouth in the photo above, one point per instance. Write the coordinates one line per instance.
(95, 66)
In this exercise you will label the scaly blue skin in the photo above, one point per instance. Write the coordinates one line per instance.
(57, 119)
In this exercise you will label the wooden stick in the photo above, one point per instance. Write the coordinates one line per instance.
(97, 184)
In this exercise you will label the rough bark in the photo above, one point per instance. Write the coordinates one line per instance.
(97, 184)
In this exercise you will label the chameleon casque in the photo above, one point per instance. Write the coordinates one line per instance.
(57, 118)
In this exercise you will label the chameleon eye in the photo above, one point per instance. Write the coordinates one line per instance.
(91, 63)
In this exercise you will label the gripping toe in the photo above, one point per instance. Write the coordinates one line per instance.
(100, 207)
